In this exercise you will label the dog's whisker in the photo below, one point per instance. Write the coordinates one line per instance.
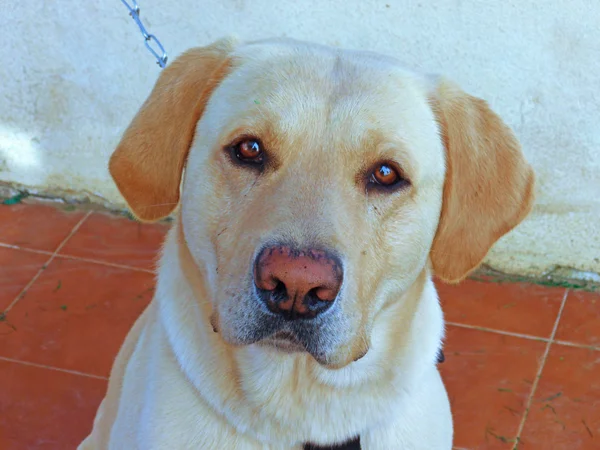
(159, 204)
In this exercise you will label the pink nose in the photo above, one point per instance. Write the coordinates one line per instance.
(297, 284)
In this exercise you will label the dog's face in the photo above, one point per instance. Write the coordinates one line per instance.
(319, 184)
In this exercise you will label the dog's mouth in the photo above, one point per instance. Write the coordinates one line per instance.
(285, 341)
(319, 337)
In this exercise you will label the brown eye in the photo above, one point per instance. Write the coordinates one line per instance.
(385, 175)
(249, 150)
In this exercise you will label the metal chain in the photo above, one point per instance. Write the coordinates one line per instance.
(149, 39)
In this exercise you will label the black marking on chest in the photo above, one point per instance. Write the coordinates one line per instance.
(350, 445)
(440, 357)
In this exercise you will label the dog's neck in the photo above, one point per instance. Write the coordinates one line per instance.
(192, 272)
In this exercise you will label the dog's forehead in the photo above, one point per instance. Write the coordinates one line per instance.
(295, 84)
(289, 64)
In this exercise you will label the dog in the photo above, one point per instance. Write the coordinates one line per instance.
(316, 193)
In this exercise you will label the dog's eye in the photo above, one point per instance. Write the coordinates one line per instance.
(386, 176)
(249, 150)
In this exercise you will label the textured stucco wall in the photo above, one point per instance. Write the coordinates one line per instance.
(73, 74)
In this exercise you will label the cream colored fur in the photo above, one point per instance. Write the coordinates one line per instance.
(325, 115)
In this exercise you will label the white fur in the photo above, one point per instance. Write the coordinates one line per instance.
(177, 391)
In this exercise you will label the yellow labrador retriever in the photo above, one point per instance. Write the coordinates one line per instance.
(295, 307)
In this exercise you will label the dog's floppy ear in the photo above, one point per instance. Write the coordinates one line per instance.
(148, 162)
(489, 186)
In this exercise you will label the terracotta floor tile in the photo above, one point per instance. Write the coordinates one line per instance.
(580, 321)
(514, 307)
(76, 315)
(36, 226)
(489, 378)
(17, 268)
(565, 413)
(45, 409)
(116, 239)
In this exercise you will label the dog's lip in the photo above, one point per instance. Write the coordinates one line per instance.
(285, 340)
(285, 336)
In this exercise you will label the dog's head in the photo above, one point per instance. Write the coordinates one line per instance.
(319, 183)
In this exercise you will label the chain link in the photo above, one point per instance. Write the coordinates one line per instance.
(152, 43)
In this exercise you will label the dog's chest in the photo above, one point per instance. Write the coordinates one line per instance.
(354, 444)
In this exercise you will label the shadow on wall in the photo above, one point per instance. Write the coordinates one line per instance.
(20, 152)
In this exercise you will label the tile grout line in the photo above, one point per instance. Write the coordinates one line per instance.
(57, 369)
(574, 344)
(73, 231)
(77, 258)
(523, 336)
(29, 250)
(45, 265)
(105, 263)
(493, 330)
(540, 370)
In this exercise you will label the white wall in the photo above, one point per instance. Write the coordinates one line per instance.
(73, 73)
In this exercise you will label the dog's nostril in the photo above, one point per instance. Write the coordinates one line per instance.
(313, 302)
(280, 292)
(312, 298)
